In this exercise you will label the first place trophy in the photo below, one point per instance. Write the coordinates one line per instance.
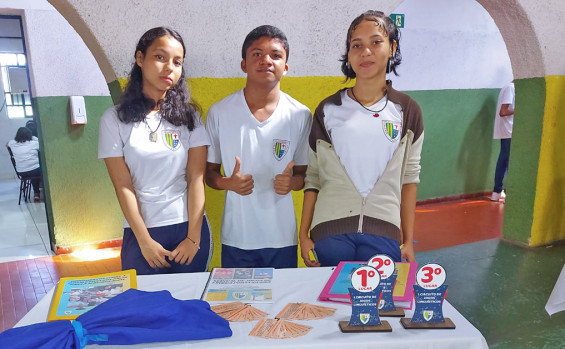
(365, 296)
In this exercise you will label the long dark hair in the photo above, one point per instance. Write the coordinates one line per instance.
(23, 135)
(390, 29)
(177, 107)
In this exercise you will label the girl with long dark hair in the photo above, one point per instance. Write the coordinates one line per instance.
(154, 145)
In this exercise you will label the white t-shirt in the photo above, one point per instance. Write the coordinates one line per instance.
(364, 143)
(503, 125)
(262, 219)
(26, 154)
(158, 169)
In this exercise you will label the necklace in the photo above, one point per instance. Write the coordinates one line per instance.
(376, 112)
(153, 134)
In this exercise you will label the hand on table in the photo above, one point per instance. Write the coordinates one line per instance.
(307, 245)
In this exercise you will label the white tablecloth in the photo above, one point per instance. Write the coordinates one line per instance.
(295, 285)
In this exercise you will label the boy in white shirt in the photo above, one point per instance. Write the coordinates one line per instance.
(260, 136)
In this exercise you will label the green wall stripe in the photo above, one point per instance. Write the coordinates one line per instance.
(82, 200)
(46, 187)
(524, 159)
(459, 154)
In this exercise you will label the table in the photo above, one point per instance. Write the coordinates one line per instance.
(295, 285)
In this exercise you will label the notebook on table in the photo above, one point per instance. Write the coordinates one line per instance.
(336, 289)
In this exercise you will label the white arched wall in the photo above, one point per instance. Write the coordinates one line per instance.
(519, 23)
(443, 49)
(213, 32)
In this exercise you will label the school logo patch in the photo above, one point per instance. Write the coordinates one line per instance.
(392, 130)
(381, 303)
(171, 139)
(364, 318)
(428, 315)
(280, 148)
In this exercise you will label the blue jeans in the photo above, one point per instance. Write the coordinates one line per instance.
(284, 257)
(502, 165)
(169, 236)
(354, 247)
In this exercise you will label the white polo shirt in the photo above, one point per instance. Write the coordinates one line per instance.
(26, 154)
(503, 124)
(364, 143)
(158, 169)
(262, 219)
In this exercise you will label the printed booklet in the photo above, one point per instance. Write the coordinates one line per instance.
(75, 296)
(248, 285)
(336, 289)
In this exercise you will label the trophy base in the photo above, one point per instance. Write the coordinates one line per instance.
(398, 312)
(383, 327)
(409, 325)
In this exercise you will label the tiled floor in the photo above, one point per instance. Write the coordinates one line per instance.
(23, 228)
(23, 283)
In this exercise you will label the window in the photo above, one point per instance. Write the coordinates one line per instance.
(14, 70)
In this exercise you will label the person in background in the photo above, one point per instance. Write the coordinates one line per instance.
(260, 136)
(33, 127)
(154, 145)
(25, 148)
(503, 121)
(365, 147)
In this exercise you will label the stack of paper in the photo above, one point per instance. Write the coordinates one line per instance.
(278, 329)
(305, 311)
(237, 311)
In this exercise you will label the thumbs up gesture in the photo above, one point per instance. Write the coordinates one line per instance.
(240, 183)
(282, 183)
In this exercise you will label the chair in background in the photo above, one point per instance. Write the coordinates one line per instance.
(25, 182)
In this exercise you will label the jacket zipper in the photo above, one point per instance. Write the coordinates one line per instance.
(360, 227)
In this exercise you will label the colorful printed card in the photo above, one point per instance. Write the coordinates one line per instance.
(75, 296)
(249, 285)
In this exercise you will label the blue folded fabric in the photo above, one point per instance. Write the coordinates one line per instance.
(129, 318)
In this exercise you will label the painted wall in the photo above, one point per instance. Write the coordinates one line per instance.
(83, 205)
(450, 45)
(548, 223)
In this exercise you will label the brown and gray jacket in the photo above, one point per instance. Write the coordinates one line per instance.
(340, 208)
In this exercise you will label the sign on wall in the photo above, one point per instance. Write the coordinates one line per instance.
(398, 19)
